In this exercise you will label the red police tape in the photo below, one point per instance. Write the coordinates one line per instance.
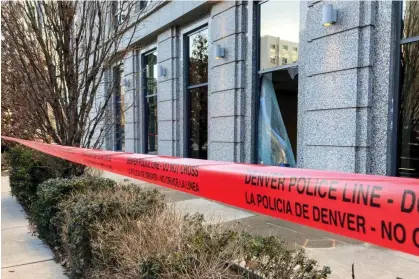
(376, 209)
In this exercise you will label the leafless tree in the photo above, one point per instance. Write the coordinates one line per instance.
(409, 99)
(58, 53)
(16, 120)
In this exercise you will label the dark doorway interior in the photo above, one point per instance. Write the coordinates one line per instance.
(286, 89)
(277, 119)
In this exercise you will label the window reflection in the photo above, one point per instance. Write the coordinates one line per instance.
(410, 21)
(198, 57)
(152, 125)
(150, 62)
(198, 122)
(119, 108)
(409, 111)
(198, 94)
(279, 33)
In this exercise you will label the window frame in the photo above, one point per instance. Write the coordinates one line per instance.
(258, 77)
(397, 87)
(145, 96)
(188, 87)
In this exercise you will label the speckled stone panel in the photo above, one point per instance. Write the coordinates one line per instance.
(165, 110)
(129, 99)
(165, 90)
(222, 7)
(222, 129)
(128, 65)
(165, 147)
(223, 77)
(129, 130)
(336, 127)
(166, 34)
(165, 50)
(167, 58)
(221, 151)
(129, 111)
(333, 53)
(165, 130)
(337, 90)
(344, 87)
(129, 145)
(232, 50)
(365, 46)
(170, 72)
(223, 103)
(383, 77)
(362, 155)
(223, 24)
(348, 17)
(330, 158)
(227, 80)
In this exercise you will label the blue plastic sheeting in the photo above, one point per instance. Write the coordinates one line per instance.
(274, 147)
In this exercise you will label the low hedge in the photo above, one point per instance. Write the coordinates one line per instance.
(166, 245)
(82, 211)
(44, 209)
(29, 168)
(104, 230)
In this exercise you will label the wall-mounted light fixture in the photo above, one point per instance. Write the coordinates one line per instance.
(161, 72)
(127, 83)
(218, 52)
(329, 15)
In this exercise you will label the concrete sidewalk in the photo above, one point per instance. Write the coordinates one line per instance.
(23, 256)
(329, 249)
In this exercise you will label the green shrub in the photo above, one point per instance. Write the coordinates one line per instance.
(166, 245)
(209, 253)
(50, 193)
(203, 252)
(82, 211)
(270, 257)
(28, 168)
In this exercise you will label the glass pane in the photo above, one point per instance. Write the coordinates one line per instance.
(198, 123)
(152, 124)
(119, 107)
(198, 57)
(122, 104)
(150, 62)
(410, 20)
(409, 111)
(277, 121)
(279, 33)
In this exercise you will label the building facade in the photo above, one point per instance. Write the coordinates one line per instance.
(266, 82)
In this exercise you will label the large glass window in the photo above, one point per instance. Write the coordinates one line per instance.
(279, 33)
(150, 67)
(197, 94)
(278, 81)
(408, 137)
(119, 108)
